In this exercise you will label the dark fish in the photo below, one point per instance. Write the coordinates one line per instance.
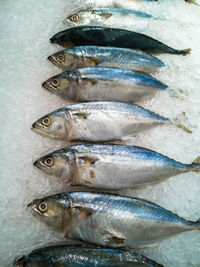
(102, 36)
(85, 256)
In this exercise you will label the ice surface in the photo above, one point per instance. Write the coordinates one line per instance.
(26, 26)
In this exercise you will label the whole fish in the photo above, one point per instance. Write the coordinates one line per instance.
(102, 36)
(110, 220)
(89, 56)
(112, 166)
(97, 121)
(102, 83)
(122, 18)
(83, 255)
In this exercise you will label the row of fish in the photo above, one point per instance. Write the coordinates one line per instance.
(99, 65)
(106, 69)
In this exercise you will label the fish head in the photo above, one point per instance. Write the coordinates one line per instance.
(62, 85)
(54, 125)
(79, 18)
(52, 210)
(62, 38)
(64, 59)
(59, 164)
(38, 260)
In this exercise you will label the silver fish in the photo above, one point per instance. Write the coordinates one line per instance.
(122, 18)
(83, 256)
(112, 166)
(110, 220)
(102, 83)
(98, 121)
(89, 56)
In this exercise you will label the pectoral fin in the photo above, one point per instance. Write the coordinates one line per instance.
(82, 212)
(113, 239)
(88, 161)
(106, 15)
(96, 61)
(81, 115)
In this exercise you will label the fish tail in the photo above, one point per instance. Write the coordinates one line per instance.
(196, 165)
(185, 51)
(197, 225)
(181, 122)
(192, 2)
(184, 128)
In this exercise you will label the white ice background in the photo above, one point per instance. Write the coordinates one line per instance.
(26, 26)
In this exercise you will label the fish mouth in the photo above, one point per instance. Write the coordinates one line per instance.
(35, 129)
(45, 85)
(33, 206)
(44, 134)
(20, 262)
(53, 39)
(36, 164)
(41, 167)
(53, 61)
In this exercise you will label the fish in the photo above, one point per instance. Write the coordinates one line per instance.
(98, 121)
(83, 255)
(110, 16)
(104, 83)
(90, 56)
(109, 220)
(103, 36)
(111, 166)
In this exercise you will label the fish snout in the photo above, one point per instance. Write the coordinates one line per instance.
(20, 262)
(53, 40)
(36, 163)
(34, 125)
(44, 85)
(51, 59)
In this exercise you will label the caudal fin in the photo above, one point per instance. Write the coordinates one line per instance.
(196, 166)
(197, 225)
(182, 122)
(192, 2)
(185, 51)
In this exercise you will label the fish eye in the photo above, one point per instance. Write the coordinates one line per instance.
(46, 121)
(43, 207)
(60, 58)
(48, 162)
(55, 82)
(74, 18)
